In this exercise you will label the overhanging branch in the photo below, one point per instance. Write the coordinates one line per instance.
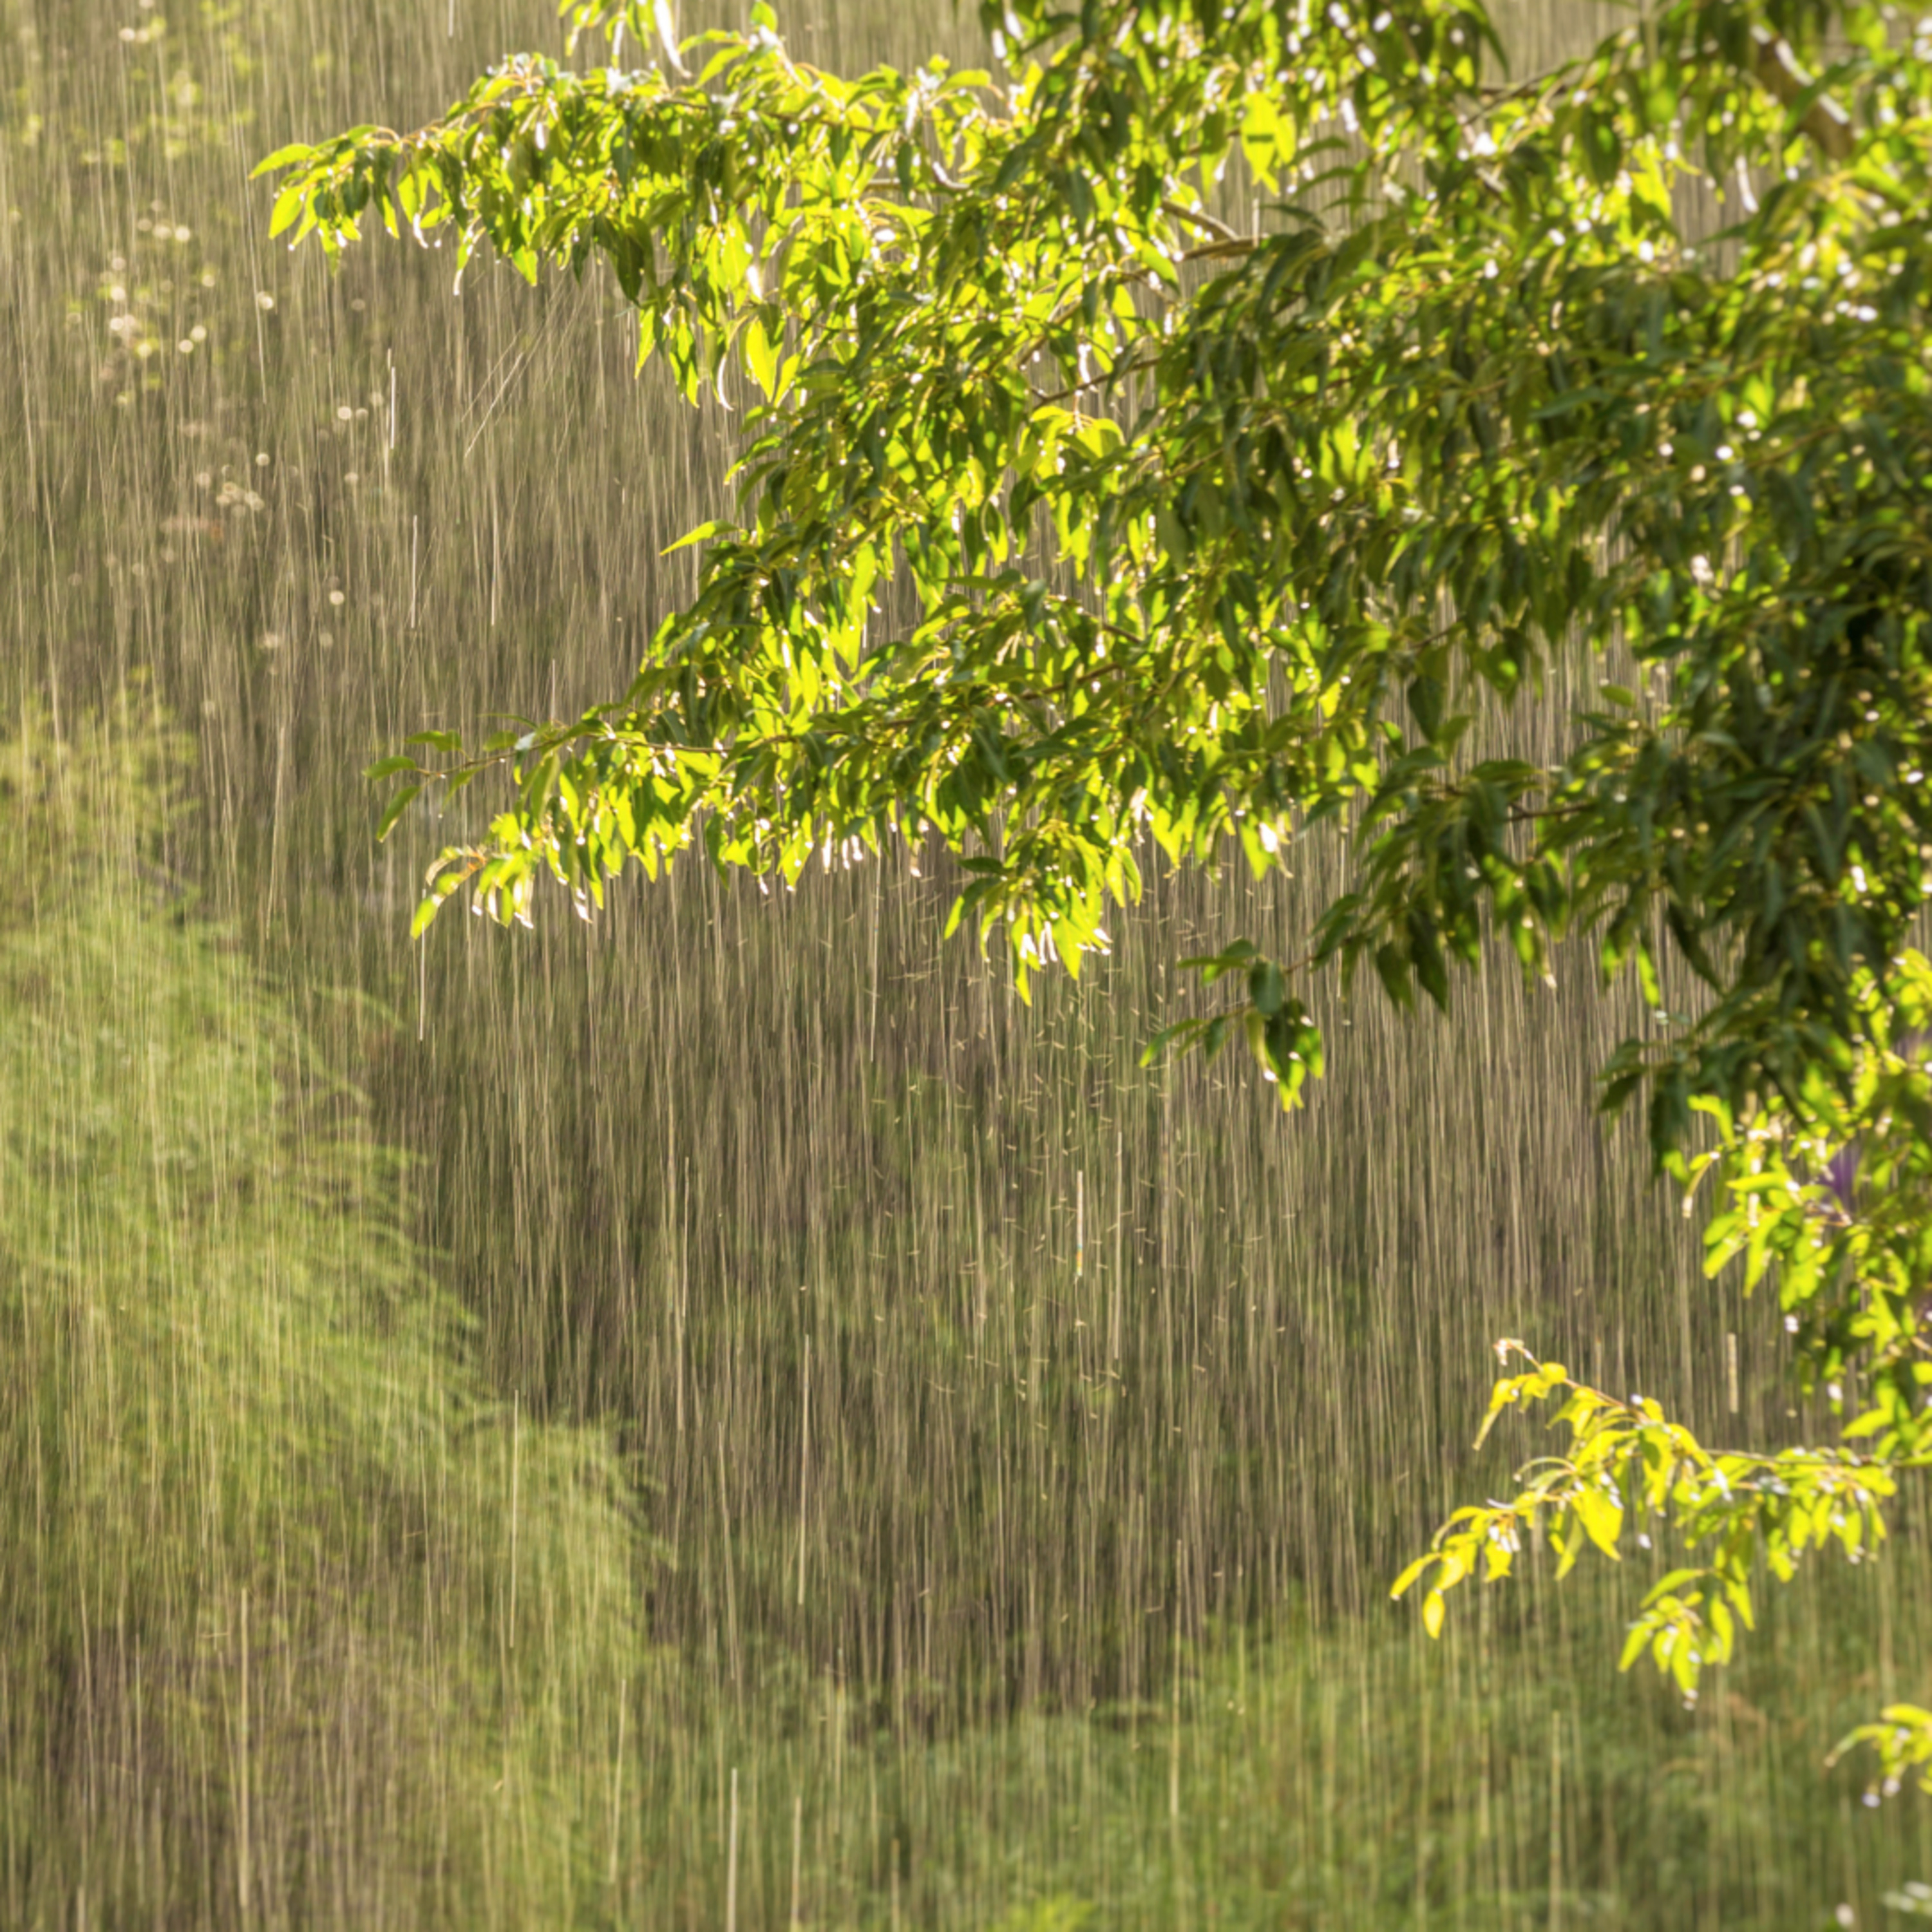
(1777, 69)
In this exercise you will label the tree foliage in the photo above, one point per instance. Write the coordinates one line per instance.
(1212, 425)
(1837, 1210)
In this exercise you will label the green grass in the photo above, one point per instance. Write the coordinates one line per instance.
(992, 1452)
(303, 1619)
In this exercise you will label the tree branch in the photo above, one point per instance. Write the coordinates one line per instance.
(1215, 251)
(1777, 69)
(1112, 375)
(1197, 218)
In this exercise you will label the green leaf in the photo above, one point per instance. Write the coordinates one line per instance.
(1400, 1586)
(1392, 969)
(1266, 988)
(288, 204)
(1426, 696)
(1602, 1520)
(404, 799)
(700, 535)
(283, 158)
(759, 359)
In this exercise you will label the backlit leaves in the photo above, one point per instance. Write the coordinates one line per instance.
(1626, 1462)
(1077, 519)
(1204, 530)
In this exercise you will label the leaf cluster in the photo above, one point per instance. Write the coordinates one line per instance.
(1627, 1460)
(1285, 1043)
(1210, 536)
(1832, 1205)
(1075, 524)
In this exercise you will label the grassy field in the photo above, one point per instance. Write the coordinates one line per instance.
(721, 1416)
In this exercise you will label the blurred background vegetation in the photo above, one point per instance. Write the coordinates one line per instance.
(720, 1414)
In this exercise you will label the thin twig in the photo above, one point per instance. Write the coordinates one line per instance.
(1200, 218)
(1097, 382)
(1777, 71)
(1217, 251)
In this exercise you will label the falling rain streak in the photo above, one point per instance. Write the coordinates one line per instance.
(719, 1415)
